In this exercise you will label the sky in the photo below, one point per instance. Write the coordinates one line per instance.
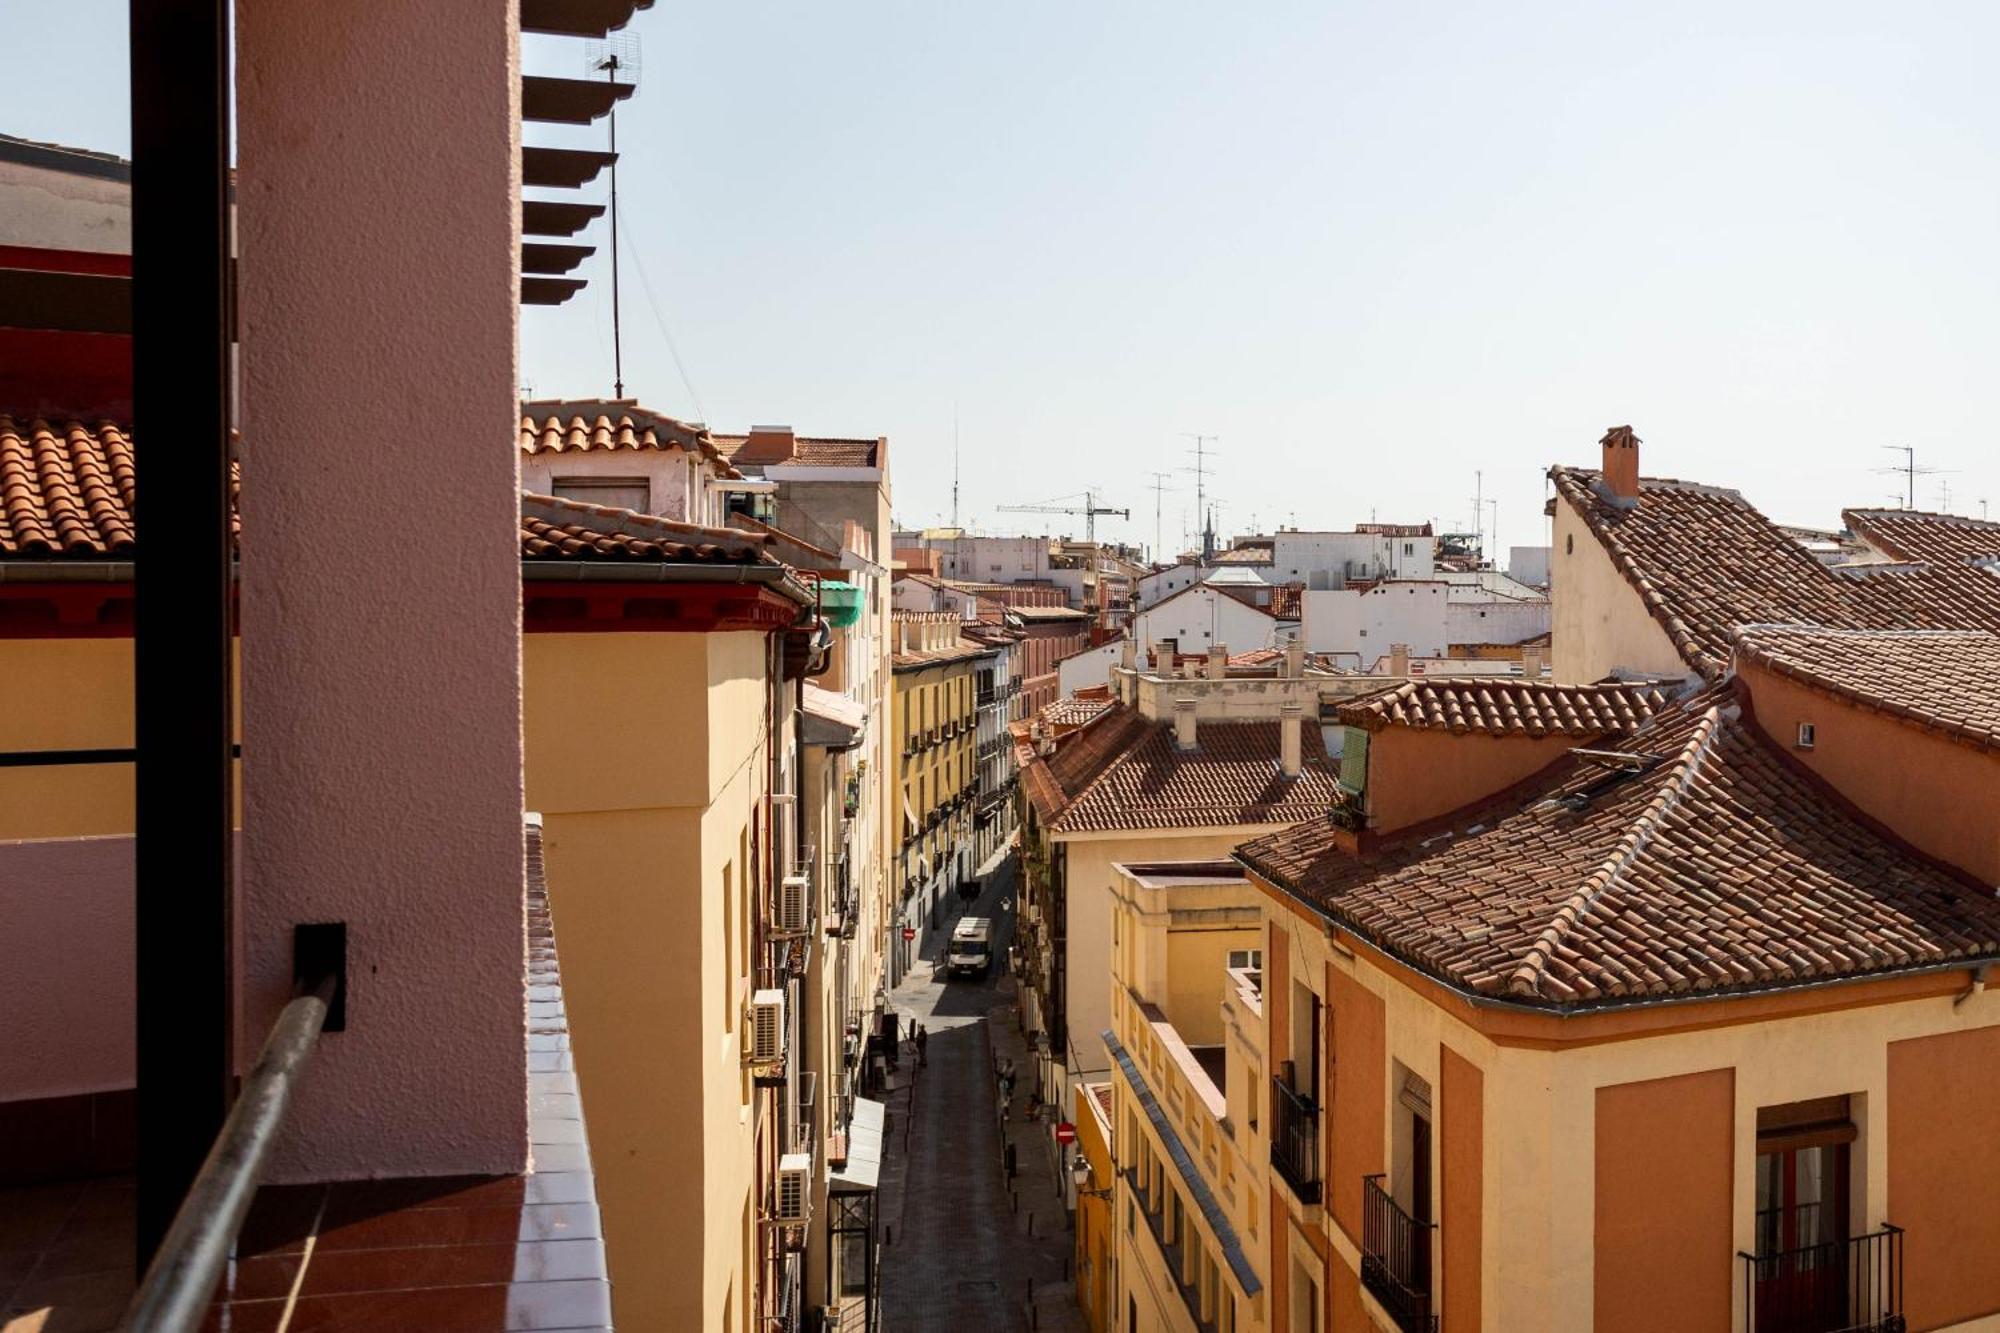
(1390, 254)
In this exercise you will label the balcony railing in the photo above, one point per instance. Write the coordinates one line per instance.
(1295, 1139)
(175, 1292)
(1842, 1286)
(1396, 1258)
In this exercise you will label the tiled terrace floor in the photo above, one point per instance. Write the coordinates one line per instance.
(65, 1255)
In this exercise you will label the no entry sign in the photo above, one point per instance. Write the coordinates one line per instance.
(909, 933)
(1065, 1132)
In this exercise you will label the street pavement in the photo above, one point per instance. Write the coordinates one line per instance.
(968, 1249)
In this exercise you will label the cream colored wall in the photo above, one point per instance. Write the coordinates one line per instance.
(1087, 906)
(82, 699)
(1540, 1113)
(1600, 622)
(83, 702)
(645, 756)
(1149, 964)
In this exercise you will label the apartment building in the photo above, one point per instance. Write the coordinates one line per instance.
(661, 728)
(935, 728)
(623, 456)
(1172, 767)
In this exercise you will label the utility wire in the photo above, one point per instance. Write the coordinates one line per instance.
(660, 320)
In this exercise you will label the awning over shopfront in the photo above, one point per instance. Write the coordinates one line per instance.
(864, 1149)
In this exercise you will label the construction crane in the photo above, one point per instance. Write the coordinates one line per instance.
(1090, 509)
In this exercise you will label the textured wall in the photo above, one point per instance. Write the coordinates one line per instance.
(378, 151)
(66, 915)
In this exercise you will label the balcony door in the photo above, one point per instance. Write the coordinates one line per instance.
(1804, 1169)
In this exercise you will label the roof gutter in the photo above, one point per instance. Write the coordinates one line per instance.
(775, 577)
(1975, 964)
(66, 571)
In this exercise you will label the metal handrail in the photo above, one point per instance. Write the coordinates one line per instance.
(174, 1295)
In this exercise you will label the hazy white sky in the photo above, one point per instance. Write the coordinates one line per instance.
(1374, 248)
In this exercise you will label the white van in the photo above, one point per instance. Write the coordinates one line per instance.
(971, 951)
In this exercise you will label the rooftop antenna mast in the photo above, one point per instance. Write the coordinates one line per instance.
(1909, 469)
(954, 464)
(1479, 513)
(1200, 469)
(614, 56)
(1160, 488)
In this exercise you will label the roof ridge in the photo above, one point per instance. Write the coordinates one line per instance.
(1526, 979)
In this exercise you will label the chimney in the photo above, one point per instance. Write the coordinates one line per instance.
(1184, 738)
(768, 444)
(1621, 463)
(1531, 662)
(1291, 723)
(1128, 653)
(1399, 659)
(1295, 660)
(1218, 661)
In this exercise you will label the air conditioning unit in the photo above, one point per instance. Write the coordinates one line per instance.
(794, 1202)
(793, 896)
(767, 1028)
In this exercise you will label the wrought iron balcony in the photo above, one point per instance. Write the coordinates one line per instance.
(1841, 1286)
(1396, 1258)
(1295, 1139)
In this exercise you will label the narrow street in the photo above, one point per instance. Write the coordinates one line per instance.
(971, 1250)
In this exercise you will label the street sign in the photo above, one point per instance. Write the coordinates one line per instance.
(1065, 1132)
(909, 933)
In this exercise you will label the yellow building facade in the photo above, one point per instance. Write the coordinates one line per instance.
(935, 727)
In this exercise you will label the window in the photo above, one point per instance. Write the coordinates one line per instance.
(1805, 735)
(728, 945)
(1246, 958)
(633, 493)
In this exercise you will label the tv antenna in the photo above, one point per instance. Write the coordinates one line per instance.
(1909, 470)
(1200, 468)
(617, 58)
(1160, 488)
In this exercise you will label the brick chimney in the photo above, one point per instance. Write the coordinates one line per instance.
(1291, 723)
(1399, 659)
(1531, 662)
(1128, 653)
(768, 444)
(1218, 661)
(1295, 660)
(1184, 734)
(1621, 463)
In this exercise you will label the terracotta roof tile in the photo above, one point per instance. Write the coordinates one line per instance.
(556, 529)
(1073, 712)
(1506, 706)
(66, 489)
(815, 451)
(586, 427)
(1123, 771)
(1946, 680)
(1722, 867)
(1707, 563)
(1907, 534)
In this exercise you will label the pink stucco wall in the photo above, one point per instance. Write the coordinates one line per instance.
(66, 919)
(379, 243)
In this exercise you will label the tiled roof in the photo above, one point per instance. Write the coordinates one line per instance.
(1934, 679)
(962, 651)
(585, 427)
(555, 529)
(1907, 534)
(1073, 712)
(815, 451)
(66, 489)
(1048, 613)
(1706, 563)
(1123, 771)
(1722, 867)
(1507, 707)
